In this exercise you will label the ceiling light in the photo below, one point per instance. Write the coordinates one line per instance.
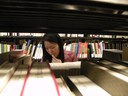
(71, 7)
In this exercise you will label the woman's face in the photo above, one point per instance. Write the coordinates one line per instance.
(52, 48)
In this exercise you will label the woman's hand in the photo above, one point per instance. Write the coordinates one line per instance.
(55, 60)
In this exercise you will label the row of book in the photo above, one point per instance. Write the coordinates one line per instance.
(117, 67)
(110, 79)
(38, 34)
(5, 48)
(83, 86)
(81, 49)
(20, 34)
(94, 49)
(35, 51)
(7, 69)
(66, 68)
(36, 79)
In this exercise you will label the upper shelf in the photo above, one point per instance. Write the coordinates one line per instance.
(80, 16)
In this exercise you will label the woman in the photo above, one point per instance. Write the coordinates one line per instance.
(53, 49)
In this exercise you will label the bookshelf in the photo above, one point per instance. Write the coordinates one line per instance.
(110, 41)
(78, 21)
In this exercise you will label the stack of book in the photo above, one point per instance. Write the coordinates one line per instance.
(66, 68)
(63, 88)
(83, 86)
(15, 84)
(6, 72)
(40, 81)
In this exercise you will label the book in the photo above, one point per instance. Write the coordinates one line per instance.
(15, 85)
(6, 71)
(45, 84)
(86, 87)
(65, 65)
(63, 88)
(66, 68)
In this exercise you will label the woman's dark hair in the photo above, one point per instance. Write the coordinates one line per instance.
(53, 38)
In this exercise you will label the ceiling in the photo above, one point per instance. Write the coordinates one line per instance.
(80, 16)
